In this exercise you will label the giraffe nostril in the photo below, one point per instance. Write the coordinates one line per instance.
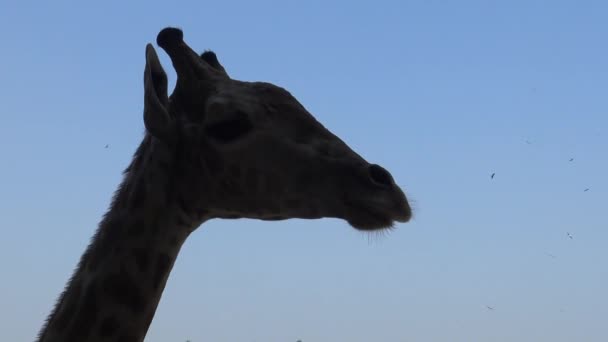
(380, 176)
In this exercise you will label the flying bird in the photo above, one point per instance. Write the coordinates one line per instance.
(492, 176)
(490, 308)
(571, 159)
(569, 235)
(106, 146)
(586, 190)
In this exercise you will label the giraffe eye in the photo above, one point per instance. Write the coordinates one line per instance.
(226, 131)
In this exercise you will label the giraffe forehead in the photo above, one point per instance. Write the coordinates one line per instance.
(247, 92)
(235, 95)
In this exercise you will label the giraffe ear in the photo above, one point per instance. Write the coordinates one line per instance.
(211, 58)
(156, 115)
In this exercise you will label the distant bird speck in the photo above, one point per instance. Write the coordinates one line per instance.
(571, 159)
(569, 235)
(107, 146)
(586, 190)
(528, 142)
(489, 307)
(492, 176)
(550, 255)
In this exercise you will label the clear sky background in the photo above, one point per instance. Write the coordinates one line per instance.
(441, 93)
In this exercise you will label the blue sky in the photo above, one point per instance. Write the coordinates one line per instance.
(442, 94)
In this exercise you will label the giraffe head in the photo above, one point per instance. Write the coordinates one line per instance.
(251, 150)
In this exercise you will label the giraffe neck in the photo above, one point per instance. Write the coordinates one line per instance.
(116, 288)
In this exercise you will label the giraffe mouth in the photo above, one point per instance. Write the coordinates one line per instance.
(376, 216)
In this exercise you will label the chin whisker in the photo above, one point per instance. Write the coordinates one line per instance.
(377, 234)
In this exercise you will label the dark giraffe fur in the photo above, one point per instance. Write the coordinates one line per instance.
(217, 148)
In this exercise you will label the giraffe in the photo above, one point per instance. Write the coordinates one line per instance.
(216, 148)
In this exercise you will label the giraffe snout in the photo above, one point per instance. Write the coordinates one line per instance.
(381, 205)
